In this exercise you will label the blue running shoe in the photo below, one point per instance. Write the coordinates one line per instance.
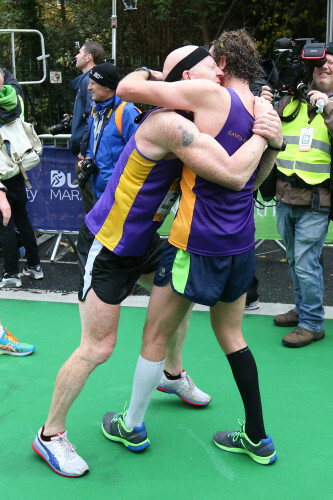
(10, 345)
(60, 455)
(237, 442)
(114, 428)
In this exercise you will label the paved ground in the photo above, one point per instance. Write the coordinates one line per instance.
(275, 284)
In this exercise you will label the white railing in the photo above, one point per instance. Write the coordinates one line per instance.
(60, 140)
(42, 57)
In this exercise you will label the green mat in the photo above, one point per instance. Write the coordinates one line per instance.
(182, 461)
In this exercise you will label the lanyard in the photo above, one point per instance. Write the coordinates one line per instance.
(101, 126)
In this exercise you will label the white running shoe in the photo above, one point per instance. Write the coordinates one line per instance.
(35, 272)
(252, 305)
(60, 455)
(10, 280)
(185, 389)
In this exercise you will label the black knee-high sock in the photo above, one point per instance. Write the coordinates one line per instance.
(245, 373)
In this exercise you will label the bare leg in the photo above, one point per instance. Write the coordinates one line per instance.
(99, 334)
(226, 319)
(174, 348)
(165, 312)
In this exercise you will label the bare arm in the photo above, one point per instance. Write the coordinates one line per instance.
(4, 208)
(201, 152)
(266, 164)
(269, 157)
(176, 95)
(209, 160)
(231, 171)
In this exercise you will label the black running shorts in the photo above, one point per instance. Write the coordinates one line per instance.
(111, 276)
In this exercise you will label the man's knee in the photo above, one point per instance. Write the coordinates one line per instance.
(99, 328)
(97, 351)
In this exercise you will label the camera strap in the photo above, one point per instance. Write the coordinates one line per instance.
(293, 115)
(331, 185)
(105, 120)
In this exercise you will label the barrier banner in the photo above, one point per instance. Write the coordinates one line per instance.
(54, 202)
(265, 220)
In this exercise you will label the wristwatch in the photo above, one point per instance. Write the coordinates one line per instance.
(144, 68)
(282, 148)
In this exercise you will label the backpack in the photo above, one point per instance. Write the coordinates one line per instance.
(118, 117)
(20, 149)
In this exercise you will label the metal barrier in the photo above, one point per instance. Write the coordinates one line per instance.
(59, 140)
(42, 57)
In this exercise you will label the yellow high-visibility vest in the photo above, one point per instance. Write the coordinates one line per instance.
(313, 166)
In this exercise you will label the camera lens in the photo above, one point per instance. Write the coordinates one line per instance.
(82, 178)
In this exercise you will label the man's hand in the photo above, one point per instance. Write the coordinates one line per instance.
(156, 75)
(5, 208)
(261, 106)
(269, 126)
(266, 93)
(315, 95)
(79, 164)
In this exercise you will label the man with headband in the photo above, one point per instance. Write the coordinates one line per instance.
(124, 222)
(210, 256)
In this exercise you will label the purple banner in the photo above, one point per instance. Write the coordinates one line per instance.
(54, 202)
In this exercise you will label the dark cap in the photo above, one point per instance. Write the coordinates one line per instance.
(105, 74)
(329, 48)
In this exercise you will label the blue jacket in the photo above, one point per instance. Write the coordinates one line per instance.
(111, 143)
(82, 105)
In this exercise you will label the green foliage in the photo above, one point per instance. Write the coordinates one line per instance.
(148, 34)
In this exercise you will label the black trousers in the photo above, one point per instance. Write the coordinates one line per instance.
(17, 197)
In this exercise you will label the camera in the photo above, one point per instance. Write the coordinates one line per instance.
(62, 127)
(88, 167)
(299, 58)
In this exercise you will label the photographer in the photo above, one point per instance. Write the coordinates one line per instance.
(304, 199)
(111, 125)
(90, 54)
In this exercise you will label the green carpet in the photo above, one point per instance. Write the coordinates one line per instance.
(182, 461)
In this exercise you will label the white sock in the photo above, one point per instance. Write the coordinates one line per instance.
(146, 379)
(1, 331)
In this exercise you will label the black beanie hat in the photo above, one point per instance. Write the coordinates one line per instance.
(105, 74)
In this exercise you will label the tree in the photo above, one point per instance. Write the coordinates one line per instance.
(145, 36)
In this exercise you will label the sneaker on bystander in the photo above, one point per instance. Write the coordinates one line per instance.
(10, 345)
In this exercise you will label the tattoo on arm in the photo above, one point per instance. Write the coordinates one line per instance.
(187, 137)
